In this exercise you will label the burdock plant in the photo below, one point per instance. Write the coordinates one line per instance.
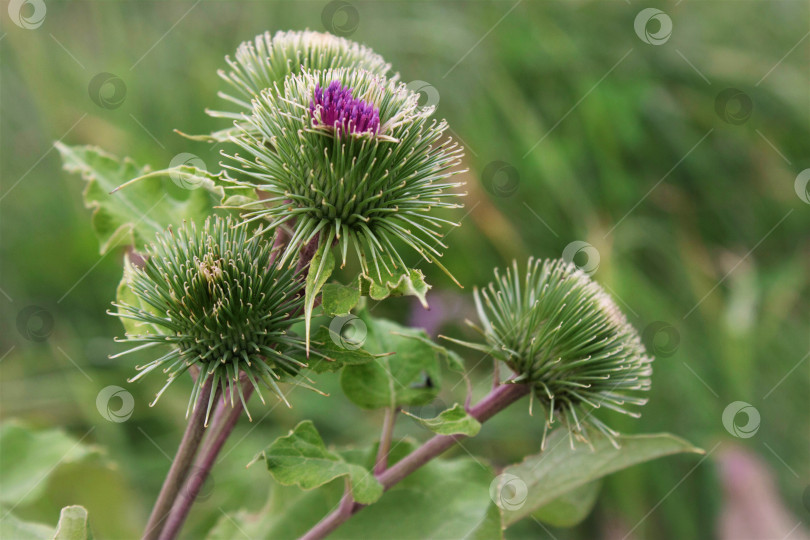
(350, 156)
(214, 297)
(269, 59)
(329, 155)
(560, 332)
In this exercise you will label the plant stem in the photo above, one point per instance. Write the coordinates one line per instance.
(181, 464)
(227, 420)
(221, 428)
(497, 400)
(385, 440)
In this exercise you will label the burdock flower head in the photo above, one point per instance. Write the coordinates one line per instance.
(350, 156)
(215, 298)
(269, 59)
(560, 332)
(336, 109)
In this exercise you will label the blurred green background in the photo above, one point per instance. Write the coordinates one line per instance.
(575, 130)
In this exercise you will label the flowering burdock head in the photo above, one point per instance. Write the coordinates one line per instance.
(560, 332)
(350, 156)
(336, 108)
(215, 298)
(269, 59)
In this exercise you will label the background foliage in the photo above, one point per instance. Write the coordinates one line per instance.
(695, 220)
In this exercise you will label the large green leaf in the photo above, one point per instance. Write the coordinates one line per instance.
(302, 459)
(73, 524)
(453, 421)
(134, 214)
(560, 469)
(570, 508)
(29, 458)
(409, 376)
(331, 355)
(443, 499)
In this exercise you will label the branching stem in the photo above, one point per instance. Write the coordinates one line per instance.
(497, 400)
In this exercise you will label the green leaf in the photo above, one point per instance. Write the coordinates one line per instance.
(454, 361)
(410, 376)
(133, 215)
(73, 524)
(301, 459)
(409, 283)
(453, 421)
(124, 295)
(560, 469)
(320, 268)
(571, 508)
(29, 459)
(337, 356)
(443, 499)
(14, 528)
(339, 299)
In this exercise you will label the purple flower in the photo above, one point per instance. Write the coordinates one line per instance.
(342, 112)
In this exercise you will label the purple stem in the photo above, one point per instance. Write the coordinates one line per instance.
(204, 464)
(497, 400)
(180, 465)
